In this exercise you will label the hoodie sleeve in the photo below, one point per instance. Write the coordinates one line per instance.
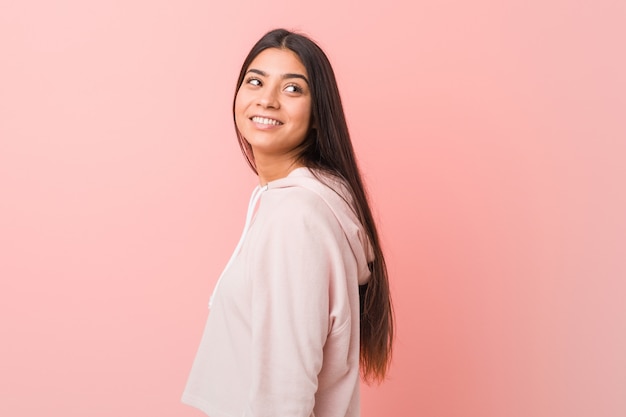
(296, 260)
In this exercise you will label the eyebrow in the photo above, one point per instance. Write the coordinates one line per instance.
(284, 76)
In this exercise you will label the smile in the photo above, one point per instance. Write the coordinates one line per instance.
(266, 121)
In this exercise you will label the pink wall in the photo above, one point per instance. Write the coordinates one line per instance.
(492, 137)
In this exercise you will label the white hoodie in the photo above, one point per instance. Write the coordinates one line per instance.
(282, 337)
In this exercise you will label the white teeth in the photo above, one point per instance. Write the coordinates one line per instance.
(265, 121)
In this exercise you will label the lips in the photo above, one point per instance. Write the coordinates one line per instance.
(266, 121)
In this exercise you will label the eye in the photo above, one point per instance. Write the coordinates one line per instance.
(253, 81)
(293, 88)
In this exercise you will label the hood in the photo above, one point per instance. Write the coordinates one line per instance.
(336, 195)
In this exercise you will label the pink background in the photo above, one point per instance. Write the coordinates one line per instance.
(492, 137)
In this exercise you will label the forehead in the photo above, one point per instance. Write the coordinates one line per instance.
(274, 61)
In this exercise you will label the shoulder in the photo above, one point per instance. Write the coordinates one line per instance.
(307, 199)
(308, 188)
(297, 205)
(292, 223)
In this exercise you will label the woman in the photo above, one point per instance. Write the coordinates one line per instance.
(304, 297)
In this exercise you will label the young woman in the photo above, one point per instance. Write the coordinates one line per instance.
(305, 297)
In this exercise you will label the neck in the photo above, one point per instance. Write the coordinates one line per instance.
(271, 169)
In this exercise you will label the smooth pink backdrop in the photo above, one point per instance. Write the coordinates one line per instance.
(491, 135)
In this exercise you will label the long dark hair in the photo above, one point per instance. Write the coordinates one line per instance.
(328, 148)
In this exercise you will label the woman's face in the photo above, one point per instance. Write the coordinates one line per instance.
(273, 104)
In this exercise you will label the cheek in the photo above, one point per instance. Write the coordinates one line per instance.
(305, 115)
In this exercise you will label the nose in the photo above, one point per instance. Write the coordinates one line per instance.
(268, 98)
